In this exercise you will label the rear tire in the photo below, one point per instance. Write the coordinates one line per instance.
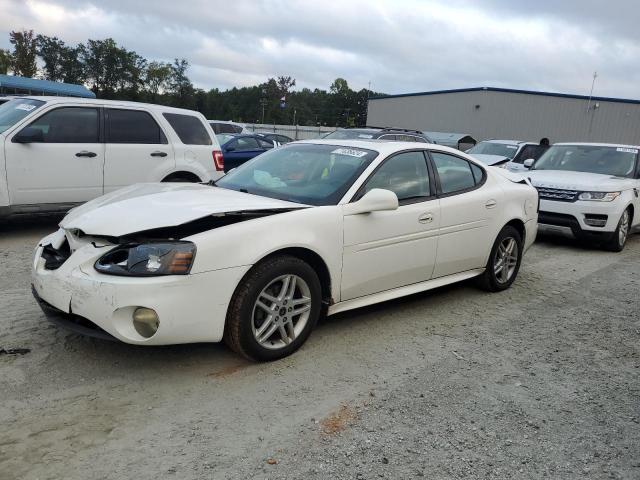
(618, 240)
(274, 309)
(504, 261)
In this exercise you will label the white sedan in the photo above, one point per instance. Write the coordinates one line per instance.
(312, 228)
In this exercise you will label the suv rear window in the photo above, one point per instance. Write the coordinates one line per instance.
(189, 128)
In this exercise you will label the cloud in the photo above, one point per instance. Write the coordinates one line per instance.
(400, 46)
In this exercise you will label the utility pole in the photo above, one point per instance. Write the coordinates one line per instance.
(263, 102)
(593, 83)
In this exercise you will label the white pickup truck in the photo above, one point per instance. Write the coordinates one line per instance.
(590, 190)
(57, 152)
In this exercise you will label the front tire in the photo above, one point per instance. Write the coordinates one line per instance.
(504, 261)
(274, 309)
(619, 238)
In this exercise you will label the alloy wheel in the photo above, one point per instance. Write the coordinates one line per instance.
(281, 311)
(623, 229)
(506, 260)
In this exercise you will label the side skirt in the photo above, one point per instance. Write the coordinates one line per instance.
(402, 291)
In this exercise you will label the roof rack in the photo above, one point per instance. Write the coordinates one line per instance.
(394, 129)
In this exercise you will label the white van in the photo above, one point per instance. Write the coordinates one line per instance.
(57, 152)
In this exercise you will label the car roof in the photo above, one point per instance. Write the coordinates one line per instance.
(114, 103)
(381, 146)
(588, 144)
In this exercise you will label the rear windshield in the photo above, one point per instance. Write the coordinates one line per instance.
(15, 110)
(189, 128)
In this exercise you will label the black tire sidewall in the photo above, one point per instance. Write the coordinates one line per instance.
(613, 244)
(493, 282)
(255, 284)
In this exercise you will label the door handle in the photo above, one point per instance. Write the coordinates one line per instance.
(491, 203)
(159, 154)
(425, 218)
(85, 153)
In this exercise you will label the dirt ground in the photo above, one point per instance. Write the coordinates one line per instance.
(541, 381)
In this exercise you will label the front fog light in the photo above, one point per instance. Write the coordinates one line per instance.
(145, 321)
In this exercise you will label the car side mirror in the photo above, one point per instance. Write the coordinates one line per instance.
(375, 200)
(528, 163)
(29, 135)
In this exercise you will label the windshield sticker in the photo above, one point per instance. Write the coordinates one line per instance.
(350, 152)
(25, 106)
(627, 150)
(364, 135)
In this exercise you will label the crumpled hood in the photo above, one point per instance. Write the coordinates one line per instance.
(579, 181)
(146, 206)
(489, 159)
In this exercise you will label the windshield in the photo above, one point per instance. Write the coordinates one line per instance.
(15, 110)
(491, 148)
(350, 135)
(617, 161)
(224, 138)
(303, 173)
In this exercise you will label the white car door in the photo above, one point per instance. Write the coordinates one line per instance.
(390, 249)
(469, 208)
(136, 149)
(61, 159)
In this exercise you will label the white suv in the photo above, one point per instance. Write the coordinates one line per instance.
(590, 190)
(56, 152)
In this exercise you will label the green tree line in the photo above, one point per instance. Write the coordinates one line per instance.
(113, 72)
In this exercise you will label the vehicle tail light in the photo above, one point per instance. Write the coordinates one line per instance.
(218, 160)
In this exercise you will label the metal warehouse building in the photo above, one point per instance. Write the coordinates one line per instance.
(487, 112)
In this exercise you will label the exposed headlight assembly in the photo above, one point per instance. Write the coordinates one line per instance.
(599, 196)
(148, 259)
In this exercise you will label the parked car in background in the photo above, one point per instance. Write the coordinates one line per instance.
(509, 154)
(238, 148)
(57, 152)
(162, 264)
(276, 138)
(375, 133)
(589, 190)
(221, 126)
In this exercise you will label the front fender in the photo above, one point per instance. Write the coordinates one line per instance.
(318, 229)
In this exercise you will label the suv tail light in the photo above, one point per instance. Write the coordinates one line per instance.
(218, 160)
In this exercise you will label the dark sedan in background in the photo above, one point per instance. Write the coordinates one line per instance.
(238, 148)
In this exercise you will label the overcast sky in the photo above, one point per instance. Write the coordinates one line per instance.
(400, 46)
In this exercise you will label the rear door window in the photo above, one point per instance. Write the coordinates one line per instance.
(456, 174)
(189, 129)
(246, 143)
(133, 126)
(69, 125)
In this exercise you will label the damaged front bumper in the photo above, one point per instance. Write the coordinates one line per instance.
(191, 308)
(70, 321)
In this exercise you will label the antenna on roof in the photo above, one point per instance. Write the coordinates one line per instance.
(595, 75)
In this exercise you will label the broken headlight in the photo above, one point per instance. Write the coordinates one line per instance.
(148, 259)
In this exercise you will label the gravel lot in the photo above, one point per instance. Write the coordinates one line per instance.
(539, 381)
